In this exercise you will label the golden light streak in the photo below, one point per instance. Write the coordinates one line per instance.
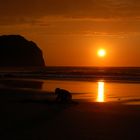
(100, 97)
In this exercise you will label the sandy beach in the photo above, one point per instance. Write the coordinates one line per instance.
(43, 120)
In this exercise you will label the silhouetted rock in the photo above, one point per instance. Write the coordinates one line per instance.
(16, 51)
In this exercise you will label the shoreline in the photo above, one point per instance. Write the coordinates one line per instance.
(26, 114)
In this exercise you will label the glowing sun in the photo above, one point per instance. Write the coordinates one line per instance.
(101, 52)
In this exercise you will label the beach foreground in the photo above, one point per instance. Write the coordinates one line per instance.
(42, 120)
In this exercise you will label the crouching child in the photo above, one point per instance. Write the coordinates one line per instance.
(63, 96)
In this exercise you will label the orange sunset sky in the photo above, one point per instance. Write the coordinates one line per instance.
(70, 32)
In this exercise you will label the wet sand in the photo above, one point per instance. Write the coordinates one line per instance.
(47, 120)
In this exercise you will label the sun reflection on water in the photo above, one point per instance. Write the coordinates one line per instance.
(100, 96)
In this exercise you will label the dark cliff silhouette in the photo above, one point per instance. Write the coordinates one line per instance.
(16, 51)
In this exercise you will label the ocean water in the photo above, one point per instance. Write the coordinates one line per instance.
(104, 84)
(121, 74)
(121, 84)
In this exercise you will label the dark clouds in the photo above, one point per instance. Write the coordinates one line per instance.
(27, 10)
